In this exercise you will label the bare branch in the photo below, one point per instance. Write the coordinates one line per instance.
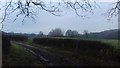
(17, 16)
(50, 11)
(25, 7)
(113, 11)
(24, 19)
(5, 12)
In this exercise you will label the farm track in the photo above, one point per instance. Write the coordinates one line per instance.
(48, 58)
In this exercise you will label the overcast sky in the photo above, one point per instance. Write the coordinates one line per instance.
(68, 20)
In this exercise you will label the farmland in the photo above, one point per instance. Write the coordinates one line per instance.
(59, 33)
(53, 51)
(86, 57)
(114, 43)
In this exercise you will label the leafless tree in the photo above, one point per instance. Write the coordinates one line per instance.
(40, 33)
(71, 33)
(114, 11)
(68, 32)
(57, 32)
(86, 33)
(26, 8)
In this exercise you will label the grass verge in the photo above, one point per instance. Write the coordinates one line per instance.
(19, 57)
(114, 43)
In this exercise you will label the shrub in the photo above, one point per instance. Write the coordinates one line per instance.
(72, 43)
(18, 37)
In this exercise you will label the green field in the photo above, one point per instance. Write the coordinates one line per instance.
(115, 43)
(19, 57)
(83, 56)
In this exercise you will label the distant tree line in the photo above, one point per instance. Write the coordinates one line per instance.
(58, 32)
(71, 33)
(16, 37)
(6, 40)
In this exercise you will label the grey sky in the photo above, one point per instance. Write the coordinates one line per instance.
(69, 20)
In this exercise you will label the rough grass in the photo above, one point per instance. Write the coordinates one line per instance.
(29, 41)
(115, 43)
(19, 57)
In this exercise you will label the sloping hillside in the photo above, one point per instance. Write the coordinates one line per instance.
(108, 34)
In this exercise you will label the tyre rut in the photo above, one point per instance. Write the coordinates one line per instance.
(48, 58)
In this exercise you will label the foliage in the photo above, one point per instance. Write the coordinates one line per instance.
(96, 47)
(18, 37)
(88, 57)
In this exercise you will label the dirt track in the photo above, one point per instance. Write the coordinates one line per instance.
(48, 58)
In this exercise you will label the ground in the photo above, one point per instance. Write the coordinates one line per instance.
(31, 54)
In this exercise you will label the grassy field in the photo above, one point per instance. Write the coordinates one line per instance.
(83, 56)
(115, 43)
(29, 41)
(19, 57)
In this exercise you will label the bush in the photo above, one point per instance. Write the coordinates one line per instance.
(73, 43)
(6, 41)
(18, 37)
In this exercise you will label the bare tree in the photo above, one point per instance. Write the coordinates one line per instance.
(68, 32)
(40, 33)
(86, 33)
(27, 8)
(71, 33)
(114, 11)
(57, 32)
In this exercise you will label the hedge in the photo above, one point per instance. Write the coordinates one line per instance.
(73, 43)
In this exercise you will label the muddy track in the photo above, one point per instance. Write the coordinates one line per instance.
(48, 58)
